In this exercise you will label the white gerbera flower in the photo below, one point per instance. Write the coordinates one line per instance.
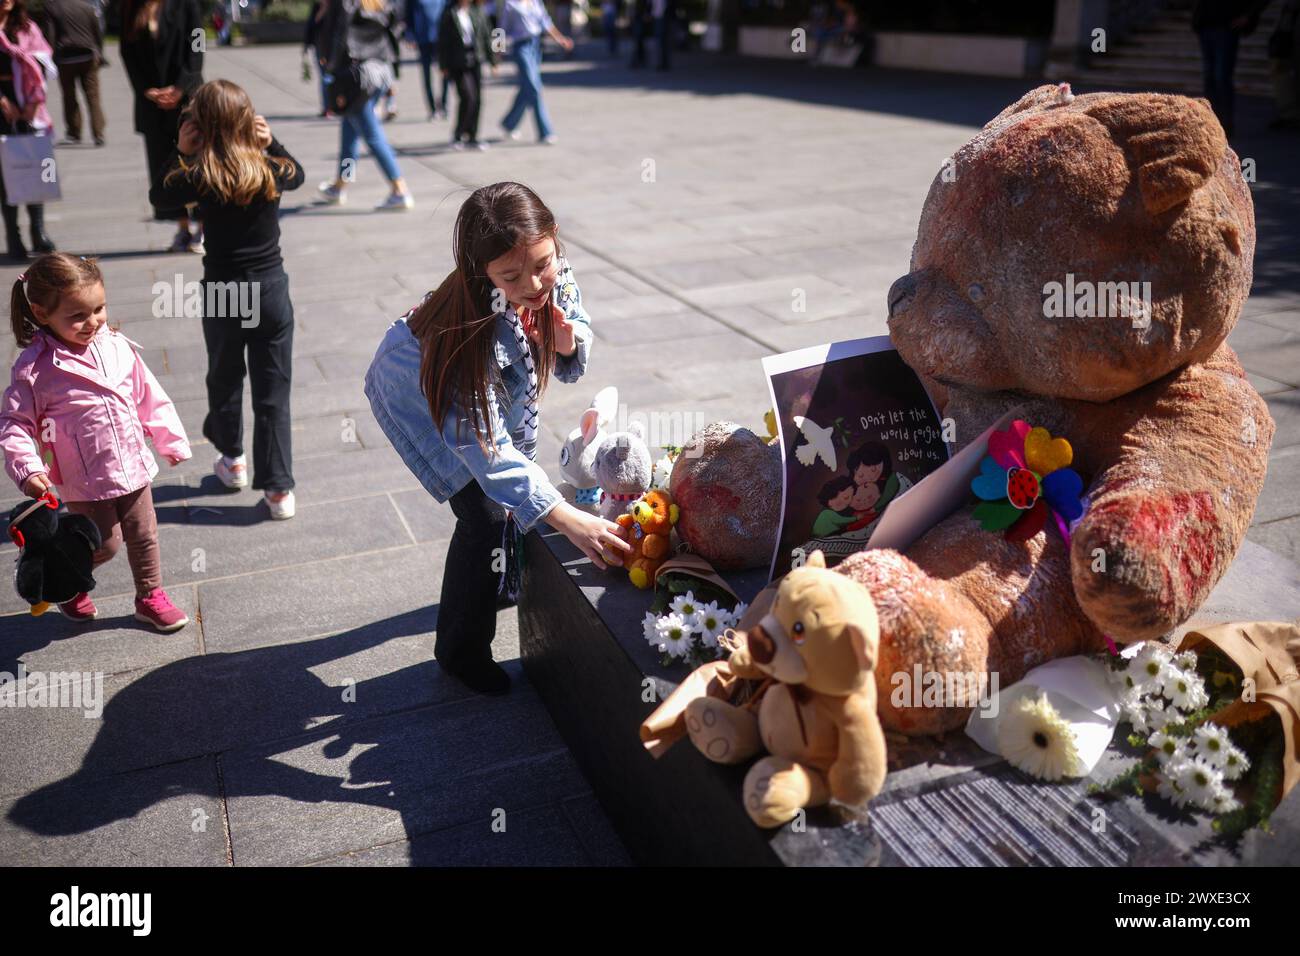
(1184, 689)
(1212, 743)
(1200, 781)
(650, 628)
(712, 622)
(1235, 762)
(1035, 738)
(1167, 748)
(1159, 716)
(738, 612)
(688, 608)
(674, 635)
(1186, 660)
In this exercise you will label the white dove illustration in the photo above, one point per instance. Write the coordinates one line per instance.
(819, 443)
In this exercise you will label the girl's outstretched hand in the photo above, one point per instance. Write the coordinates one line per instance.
(600, 540)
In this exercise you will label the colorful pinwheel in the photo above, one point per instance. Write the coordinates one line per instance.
(1024, 477)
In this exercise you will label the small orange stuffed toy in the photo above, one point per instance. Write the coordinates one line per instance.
(649, 523)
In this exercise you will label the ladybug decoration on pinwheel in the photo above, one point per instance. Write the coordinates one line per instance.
(1024, 478)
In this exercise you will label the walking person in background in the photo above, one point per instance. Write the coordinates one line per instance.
(1220, 25)
(75, 417)
(311, 51)
(1282, 67)
(165, 66)
(73, 30)
(463, 45)
(359, 35)
(24, 58)
(524, 22)
(640, 27)
(609, 23)
(423, 22)
(665, 19)
(227, 162)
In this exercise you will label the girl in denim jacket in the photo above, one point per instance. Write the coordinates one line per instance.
(455, 386)
(75, 417)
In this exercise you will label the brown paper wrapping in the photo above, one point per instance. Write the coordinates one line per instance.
(698, 567)
(1268, 653)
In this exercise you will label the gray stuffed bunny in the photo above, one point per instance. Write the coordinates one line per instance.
(623, 468)
(578, 455)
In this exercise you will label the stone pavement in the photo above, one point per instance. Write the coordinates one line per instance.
(300, 718)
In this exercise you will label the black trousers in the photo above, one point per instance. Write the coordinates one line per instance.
(159, 141)
(467, 614)
(469, 82)
(268, 340)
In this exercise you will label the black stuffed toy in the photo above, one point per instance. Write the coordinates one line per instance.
(54, 552)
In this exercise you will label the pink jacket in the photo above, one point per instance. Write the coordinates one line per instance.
(86, 427)
(31, 56)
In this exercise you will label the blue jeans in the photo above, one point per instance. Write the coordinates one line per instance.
(527, 55)
(361, 122)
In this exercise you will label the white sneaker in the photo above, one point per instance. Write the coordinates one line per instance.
(396, 201)
(231, 472)
(510, 133)
(281, 508)
(197, 247)
(549, 140)
(333, 193)
(457, 145)
(479, 145)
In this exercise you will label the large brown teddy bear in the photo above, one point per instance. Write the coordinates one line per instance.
(814, 646)
(1173, 440)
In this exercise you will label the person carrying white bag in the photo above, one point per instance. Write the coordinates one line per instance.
(25, 61)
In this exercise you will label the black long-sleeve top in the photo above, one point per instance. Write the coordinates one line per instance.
(240, 240)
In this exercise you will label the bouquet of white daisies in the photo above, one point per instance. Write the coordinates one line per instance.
(689, 629)
(1179, 707)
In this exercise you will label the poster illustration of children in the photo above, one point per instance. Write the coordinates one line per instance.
(857, 430)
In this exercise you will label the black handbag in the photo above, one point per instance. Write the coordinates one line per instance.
(345, 89)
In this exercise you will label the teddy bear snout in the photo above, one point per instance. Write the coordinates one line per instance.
(762, 649)
(901, 294)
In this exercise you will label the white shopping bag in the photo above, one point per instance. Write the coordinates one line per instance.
(27, 160)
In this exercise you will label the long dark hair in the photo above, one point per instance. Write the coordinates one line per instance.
(18, 19)
(46, 280)
(455, 323)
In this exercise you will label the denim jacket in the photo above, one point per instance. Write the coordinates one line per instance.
(446, 457)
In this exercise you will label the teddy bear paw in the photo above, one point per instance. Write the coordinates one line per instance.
(722, 732)
(777, 788)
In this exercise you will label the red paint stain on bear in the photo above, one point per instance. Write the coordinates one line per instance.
(1182, 529)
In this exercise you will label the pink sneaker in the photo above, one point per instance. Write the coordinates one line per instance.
(80, 608)
(157, 609)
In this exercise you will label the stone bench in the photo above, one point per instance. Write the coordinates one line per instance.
(582, 648)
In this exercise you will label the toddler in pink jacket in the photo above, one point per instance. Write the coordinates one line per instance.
(75, 417)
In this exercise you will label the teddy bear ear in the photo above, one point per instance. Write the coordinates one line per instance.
(1174, 142)
(864, 644)
(816, 560)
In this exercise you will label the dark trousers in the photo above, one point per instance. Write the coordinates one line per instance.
(87, 74)
(664, 39)
(158, 146)
(467, 612)
(468, 82)
(267, 338)
(429, 59)
(1218, 62)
